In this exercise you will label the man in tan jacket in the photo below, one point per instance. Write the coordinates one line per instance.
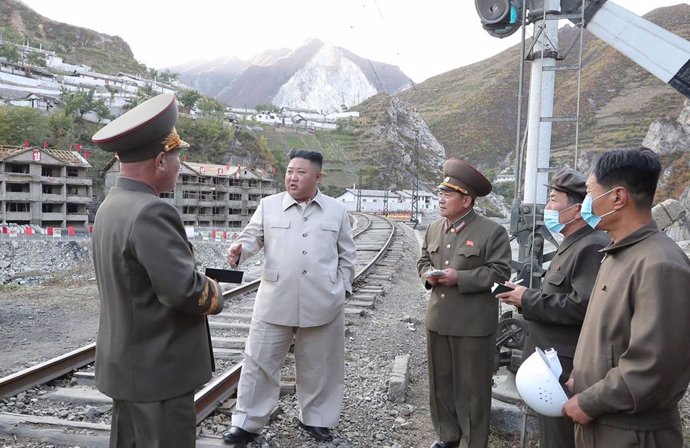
(463, 254)
(308, 269)
(632, 361)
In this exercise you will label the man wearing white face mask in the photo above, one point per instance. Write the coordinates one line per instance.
(555, 312)
(632, 362)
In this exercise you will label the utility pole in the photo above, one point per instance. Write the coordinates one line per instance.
(414, 213)
(359, 191)
(387, 180)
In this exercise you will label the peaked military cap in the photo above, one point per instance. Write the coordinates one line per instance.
(569, 180)
(142, 132)
(463, 177)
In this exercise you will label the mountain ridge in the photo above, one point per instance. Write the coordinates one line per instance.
(267, 77)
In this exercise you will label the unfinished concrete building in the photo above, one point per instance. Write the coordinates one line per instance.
(44, 187)
(209, 195)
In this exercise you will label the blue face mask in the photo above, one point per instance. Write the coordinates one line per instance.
(588, 215)
(552, 219)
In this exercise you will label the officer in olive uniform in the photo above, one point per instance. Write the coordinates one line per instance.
(554, 313)
(463, 254)
(153, 348)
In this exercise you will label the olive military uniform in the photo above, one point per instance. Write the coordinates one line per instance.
(461, 320)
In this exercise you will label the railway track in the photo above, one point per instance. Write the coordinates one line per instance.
(71, 375)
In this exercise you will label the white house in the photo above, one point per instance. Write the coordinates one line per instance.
(374, 201)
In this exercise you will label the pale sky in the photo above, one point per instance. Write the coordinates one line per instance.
(422, 38)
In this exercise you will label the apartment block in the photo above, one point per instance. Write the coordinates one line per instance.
(209, 195)
(44, 187)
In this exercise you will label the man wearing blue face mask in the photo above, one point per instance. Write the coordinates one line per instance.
(555, 312)
(632, 362)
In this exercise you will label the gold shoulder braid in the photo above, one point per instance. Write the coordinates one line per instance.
(210, 291)
(173, 141)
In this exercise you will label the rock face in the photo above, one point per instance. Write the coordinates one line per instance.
(330, 80)
(316, 76)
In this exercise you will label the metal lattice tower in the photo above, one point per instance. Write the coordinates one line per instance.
(414, 213)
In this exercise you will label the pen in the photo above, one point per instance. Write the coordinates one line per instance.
(517, 282)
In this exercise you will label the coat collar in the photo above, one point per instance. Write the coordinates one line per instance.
(638, 235)
(571, 239)
(127, 183)
(459, 223)
(289, 201)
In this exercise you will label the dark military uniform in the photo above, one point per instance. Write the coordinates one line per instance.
(461, 320)
(555, 312)
(153, 348)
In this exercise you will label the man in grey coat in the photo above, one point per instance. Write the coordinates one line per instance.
(153, 349)
(632, 362)
(463, 254)
(554, 313)
(309, 266)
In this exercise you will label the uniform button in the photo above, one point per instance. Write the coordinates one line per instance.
(304, 219)
(304, 235)
(304, 272)
(452, 230)
(447, 246)
(304, 252)
(443, 296)
(446, 262)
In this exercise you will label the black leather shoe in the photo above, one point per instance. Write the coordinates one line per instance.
(238, 436)
(317, 432)
(440, 444)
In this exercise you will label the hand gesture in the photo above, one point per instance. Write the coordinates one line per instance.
(234, 254)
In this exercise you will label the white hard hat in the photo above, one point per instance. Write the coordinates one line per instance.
(537, 383)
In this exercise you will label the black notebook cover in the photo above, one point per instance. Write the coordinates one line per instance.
(225, 275)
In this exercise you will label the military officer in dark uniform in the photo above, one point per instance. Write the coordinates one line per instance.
(463, 254)
(153, 348)
(554, 313)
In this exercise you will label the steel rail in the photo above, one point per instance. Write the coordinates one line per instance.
(224, 386)
(207, 399)
(46, 371)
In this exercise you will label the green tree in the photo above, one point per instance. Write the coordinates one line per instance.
(35, 58)
(211, 108)
(112, 90)
(168, 76)
(143, 94)
(23, 123)
(210, 139)
(267, 108)
(9, 52)
(188, 98)
(62, 126)
(101, 109)
(75, 102)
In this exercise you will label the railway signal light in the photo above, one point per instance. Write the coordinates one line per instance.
(500, 18)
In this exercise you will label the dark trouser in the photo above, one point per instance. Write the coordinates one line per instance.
(597, 435)
(155, 424)
(460, 372)
(558, 432)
